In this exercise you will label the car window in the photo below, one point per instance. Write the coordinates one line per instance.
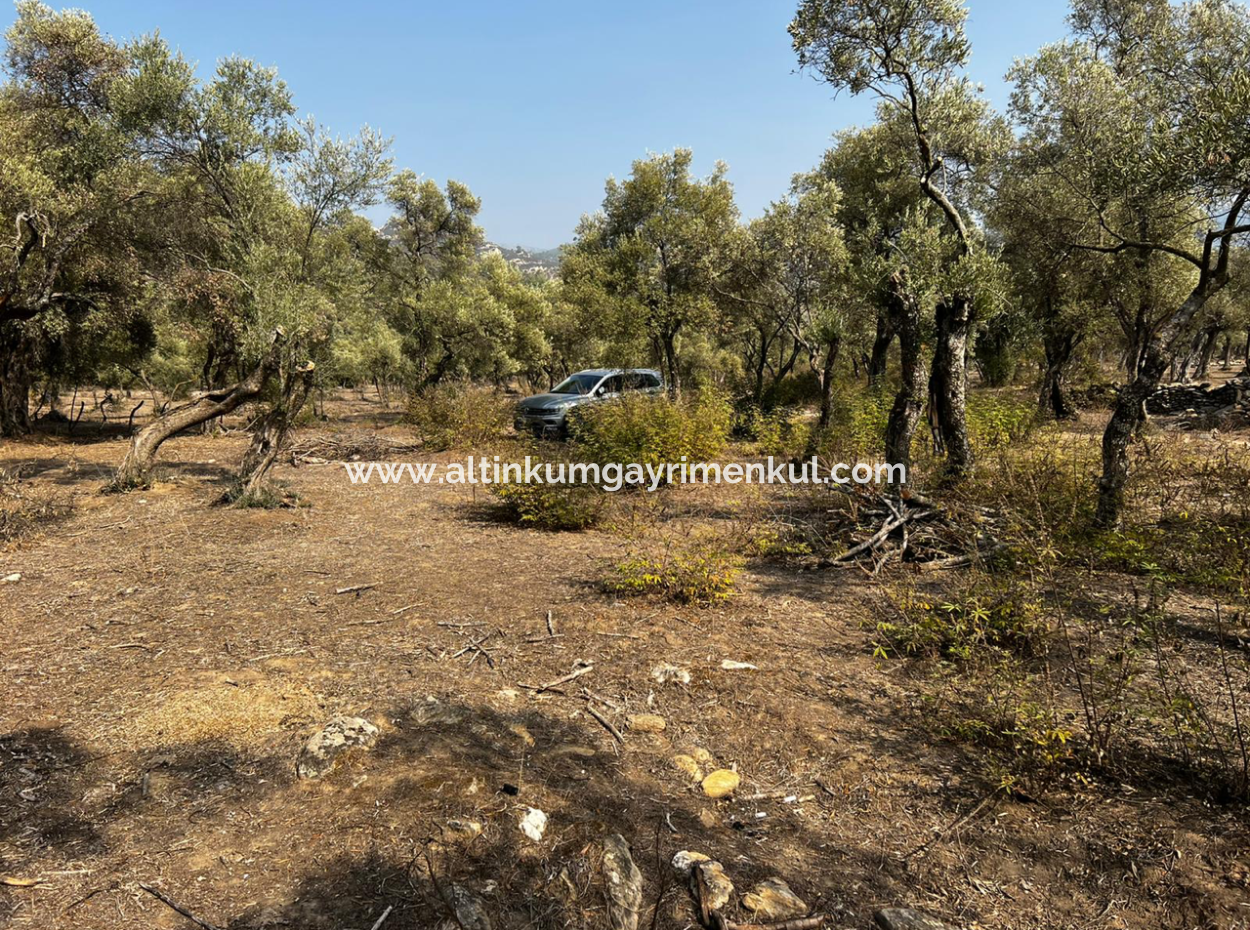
(576, 384)
(650, 381)
(613, 385)
(633, 381)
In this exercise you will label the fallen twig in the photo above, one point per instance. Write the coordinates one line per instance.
(955, 824)
(356, 588)
(593, 696)
(385, 914)
(170, 902)
(607, 724)
(802, 923)
(576, 673)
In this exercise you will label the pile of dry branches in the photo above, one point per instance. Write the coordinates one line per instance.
(910, 528)
(318, 450)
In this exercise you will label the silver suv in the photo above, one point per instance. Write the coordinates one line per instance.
(548, 413)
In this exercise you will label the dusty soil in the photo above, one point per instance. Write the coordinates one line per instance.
(164, 659)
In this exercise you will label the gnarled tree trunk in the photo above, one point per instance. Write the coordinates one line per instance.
(668, 342)
(948, 385)
(1130, 409)
(136, 468)
(826, 382)
(1211, 336)
(909, 402)
(270, 432)
(1059, 347)
(15, 382)
(880, 350)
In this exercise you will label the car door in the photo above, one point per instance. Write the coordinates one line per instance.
(611, 387)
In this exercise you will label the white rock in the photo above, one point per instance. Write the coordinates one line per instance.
(685, 860)
(730, 665)
(666, 673)
(534, 823)
(16, 576)
(327, 744)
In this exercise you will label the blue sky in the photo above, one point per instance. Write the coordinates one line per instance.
(534, 104)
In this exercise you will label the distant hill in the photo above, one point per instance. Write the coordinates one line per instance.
(540, 261)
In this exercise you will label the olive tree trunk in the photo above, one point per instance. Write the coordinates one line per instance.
(1212, 336)
(270, 433)
(1129, 412)
(1052, 398)
(15, 383)
(909, 401)
(136, 468)
(880, 350)
(668, 342)
(826, 382)
(948, 385)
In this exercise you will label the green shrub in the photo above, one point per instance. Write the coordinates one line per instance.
(781, 432)
(856, 428)
(701, 573)
(995, 421)
(459, 416)
(652, 430)
(550, 506)
(1001, 614)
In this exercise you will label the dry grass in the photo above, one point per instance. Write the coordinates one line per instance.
(238, 713)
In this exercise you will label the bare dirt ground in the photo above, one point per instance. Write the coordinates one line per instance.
(164, 659)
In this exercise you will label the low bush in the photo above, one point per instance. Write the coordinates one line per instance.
(1003, 614)
(459, 416)
(550, 506)
(702, 572)
(781, 433)
(652, 430)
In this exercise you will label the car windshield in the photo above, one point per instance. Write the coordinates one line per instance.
(576, 384)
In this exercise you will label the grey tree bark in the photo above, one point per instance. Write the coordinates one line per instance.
(948, 384)
(909, 401)
(135, 470)
(270, 432)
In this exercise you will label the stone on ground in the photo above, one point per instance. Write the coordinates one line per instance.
(718, 890)
(904, 918)
(772, 899)
(647, 723)
(325, 746)
(687, 859)
(624, 883)
(721, 783)
(534, 823)
(468, 908)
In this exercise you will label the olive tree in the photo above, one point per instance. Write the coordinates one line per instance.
(908, 54)
(1141, 118)
(656, 249)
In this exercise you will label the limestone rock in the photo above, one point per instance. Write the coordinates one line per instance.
(718, 890)
(904, 918)
(687, 766)
(534, 823)
(327, 744)
(647, 723)
(772, 899)
(663, 674)
(721, 783)
(686, 859)
(462, 831)
(624, 883)
(468, 908)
